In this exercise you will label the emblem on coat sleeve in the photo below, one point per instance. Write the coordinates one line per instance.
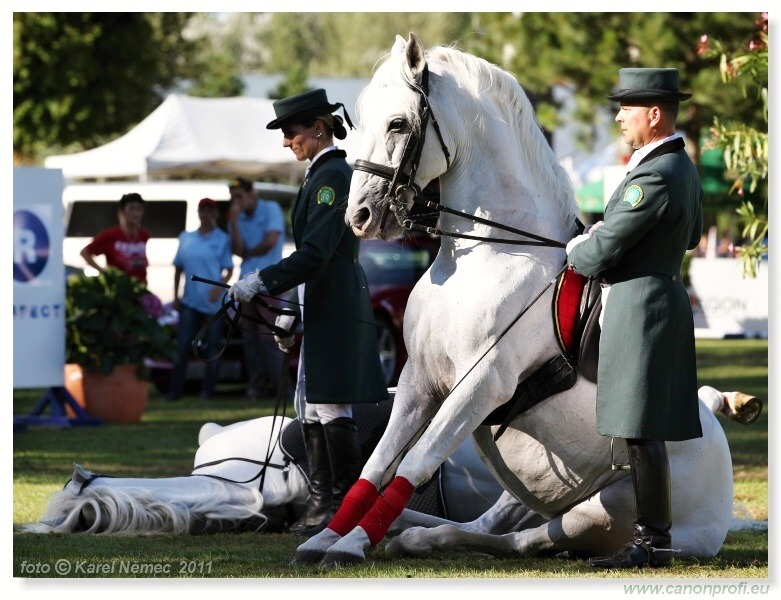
(633, 195)
(326, 195)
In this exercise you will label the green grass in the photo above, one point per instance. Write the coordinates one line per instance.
(164, 444)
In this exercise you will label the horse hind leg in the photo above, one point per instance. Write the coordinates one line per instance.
(602, 522)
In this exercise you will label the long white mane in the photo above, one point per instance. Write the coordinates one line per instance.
(139, 510)
(482, 88)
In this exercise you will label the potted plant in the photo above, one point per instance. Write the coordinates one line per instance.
(111, 329)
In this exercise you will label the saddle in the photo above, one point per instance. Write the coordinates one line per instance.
(576, 307)
(577, 304)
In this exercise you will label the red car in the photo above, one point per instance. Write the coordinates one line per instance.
(392, 268)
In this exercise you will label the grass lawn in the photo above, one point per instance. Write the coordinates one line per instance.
(164, 444)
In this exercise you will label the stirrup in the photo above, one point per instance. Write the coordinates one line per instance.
(614, 466)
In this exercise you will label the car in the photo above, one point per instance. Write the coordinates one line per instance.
(170, 208)
(392, 269)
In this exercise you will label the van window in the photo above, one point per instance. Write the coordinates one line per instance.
(163, 218)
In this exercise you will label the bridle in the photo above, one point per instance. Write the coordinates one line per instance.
(403, 192)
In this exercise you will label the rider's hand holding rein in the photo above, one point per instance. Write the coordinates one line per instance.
(244, 290)
(587, 233)
(286, 322)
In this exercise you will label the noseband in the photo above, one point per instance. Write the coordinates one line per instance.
(404, 192)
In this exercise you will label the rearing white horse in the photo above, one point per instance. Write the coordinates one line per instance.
(449, 115)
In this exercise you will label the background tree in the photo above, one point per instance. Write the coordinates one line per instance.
(83, 78)
(745, 146)
(585, 51)
(294, 41)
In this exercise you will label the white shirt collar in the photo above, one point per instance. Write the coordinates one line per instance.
(318, 155)
(641, 153)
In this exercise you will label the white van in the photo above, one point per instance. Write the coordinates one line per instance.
(170, 208)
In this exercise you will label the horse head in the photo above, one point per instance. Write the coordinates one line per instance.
(398, 123)
(444, 114)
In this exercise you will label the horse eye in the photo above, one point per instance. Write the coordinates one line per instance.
(397, 125)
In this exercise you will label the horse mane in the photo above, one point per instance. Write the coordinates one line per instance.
(488, 86)
(134, 511)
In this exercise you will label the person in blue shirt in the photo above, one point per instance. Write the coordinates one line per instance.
(257, 230)
(205, 252)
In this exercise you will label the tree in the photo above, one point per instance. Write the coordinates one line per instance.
(83, 78)
(745, 146)
(585, 51)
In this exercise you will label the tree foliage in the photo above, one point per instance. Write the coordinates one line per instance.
(584, 51)
(82, 78)
(745, 146)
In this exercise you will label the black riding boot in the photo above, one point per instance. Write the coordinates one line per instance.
(318, 508)
(651, 545)
(344, 453)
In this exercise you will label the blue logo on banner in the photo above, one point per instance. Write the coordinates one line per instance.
(31, 245)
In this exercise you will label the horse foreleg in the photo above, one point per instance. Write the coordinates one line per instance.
(454, 421)
(410, 411)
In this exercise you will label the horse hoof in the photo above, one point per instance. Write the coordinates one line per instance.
(307, 557)
(741, 407)
(335, 559)
(407, 545)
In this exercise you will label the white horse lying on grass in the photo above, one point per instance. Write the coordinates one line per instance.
(222, 492)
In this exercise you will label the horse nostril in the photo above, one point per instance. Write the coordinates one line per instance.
(361, 216)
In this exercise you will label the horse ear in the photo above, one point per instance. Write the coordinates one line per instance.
(416, 59)
(398, 46)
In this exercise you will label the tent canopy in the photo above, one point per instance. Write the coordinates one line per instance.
(196, 137)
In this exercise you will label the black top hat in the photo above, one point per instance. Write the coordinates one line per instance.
(659, 85)
(302, 106)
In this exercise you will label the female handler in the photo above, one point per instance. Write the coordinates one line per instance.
(339, 362)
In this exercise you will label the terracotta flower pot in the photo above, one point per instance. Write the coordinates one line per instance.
(120, 397)
(74, 383)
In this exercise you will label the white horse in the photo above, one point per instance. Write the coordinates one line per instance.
(447, 115)
(224, 492)
(225, 495)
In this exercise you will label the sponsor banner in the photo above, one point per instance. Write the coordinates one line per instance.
(724, 303)
(39, 278)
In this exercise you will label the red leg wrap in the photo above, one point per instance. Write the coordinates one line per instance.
(355, 505)
(388, 506)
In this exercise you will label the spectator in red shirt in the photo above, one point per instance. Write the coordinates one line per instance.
(123, 245)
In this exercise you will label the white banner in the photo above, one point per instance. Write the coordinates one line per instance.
(725, 303)
(39, 278)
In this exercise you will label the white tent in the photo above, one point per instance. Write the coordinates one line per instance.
(196, 137)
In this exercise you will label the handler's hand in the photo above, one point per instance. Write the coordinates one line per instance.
(245, 289)
(592, 228)
(285, 322)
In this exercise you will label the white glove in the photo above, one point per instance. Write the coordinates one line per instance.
(285, 322)
(575, 241)
(244, 290)
(592, 228)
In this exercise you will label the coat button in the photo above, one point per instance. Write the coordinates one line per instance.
(674, 278)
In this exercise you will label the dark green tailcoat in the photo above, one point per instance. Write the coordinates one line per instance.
(647, 380)
(341, 354)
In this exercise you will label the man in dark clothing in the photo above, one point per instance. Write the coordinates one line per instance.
(647, 379)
